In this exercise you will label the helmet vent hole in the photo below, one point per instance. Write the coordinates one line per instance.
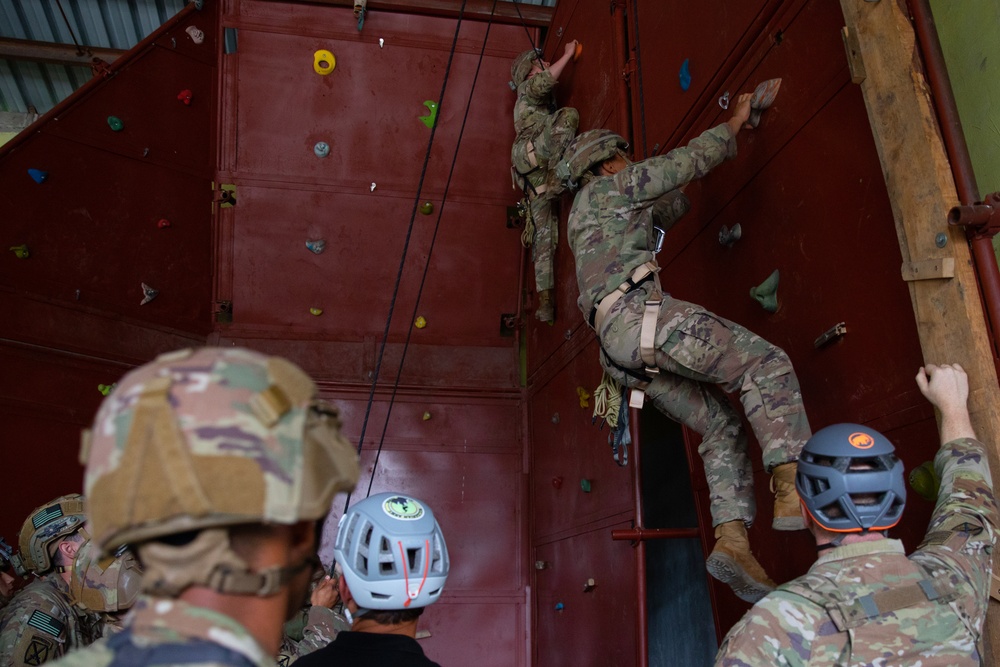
(411, 556)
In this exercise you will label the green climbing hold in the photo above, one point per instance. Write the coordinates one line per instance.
(766, 293)
(427, 208)
(115, 123)
(925, 481)
(585, 485)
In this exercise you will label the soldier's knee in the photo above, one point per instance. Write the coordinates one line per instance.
(567, 117)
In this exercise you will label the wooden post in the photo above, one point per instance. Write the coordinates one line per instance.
(950, 318)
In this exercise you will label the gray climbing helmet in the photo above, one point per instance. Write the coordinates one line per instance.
(392, 552)
(587, 149)
(850, 480)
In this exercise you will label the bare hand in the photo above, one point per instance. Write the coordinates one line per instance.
(570, 48)
(325, 594)
(946, 386)
(741, 114)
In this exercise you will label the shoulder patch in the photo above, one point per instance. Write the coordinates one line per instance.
(46, 623)
(38, 651)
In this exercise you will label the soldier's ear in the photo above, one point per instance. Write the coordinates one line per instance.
(68, 549)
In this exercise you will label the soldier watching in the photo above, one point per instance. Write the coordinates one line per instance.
(682, 355)
(217, 465)
(106, 586)
(864, 601)
(395, 563)
(42, 622)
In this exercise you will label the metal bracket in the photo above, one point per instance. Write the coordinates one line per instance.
(981, 219)
(509, 323)
(836, 332)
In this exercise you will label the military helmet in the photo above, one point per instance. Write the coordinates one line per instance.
(211, 438)
(522, 65)
(586, 150)
(392, 552)
(108, 584)
(45, 525)
(850, 480)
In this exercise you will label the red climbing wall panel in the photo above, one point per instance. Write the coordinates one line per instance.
(73, 317)
(454, 435)
(808, 192)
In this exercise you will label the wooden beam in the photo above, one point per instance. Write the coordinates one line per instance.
(950, 318)
(51, 52)
(533, 16)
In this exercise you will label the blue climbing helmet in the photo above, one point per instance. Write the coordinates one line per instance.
(850, 480)
(392, 552)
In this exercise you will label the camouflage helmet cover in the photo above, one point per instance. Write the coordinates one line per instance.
(522, 65)
(586, 150)
(109, 584)
(45, 525)
(211, 437)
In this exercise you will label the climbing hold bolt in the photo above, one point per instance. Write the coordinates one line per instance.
(38, 175)
(324, 62)
(321, 149)
(148, 294)
(163, 223)
(115, 123)
(185, 96)
(316, 311)
(427, 208)
(316, 247)
(767, 293)
(585, 485)
(20, 251)
(420, 322)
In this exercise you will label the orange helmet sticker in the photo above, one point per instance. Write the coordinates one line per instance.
(861, 440)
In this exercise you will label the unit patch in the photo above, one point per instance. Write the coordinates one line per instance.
(38, 651)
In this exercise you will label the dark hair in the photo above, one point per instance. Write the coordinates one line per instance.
(394, 616)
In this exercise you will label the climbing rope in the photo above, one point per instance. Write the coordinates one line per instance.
(607, 401)
(402, 265)
(430, 251)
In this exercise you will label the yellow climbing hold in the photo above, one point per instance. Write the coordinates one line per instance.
(316, 311)
(420, 322)
(427, 416)
(324, 62)
(584, 397)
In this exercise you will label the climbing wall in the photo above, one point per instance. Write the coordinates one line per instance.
(108, 192)
(324, 140)
(808, 195)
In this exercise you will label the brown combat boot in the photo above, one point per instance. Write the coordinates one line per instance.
(732, 563)
(787, 511)
(546, 311)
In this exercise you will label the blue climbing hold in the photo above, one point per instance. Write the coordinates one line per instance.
(685, 75)
(38, 175)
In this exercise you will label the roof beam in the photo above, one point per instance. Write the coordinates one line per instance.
(533, 16)
(51, 52)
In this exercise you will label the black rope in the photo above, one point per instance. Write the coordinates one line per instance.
(524, 25)
(79, 51)
(406, 246)
(430, 251)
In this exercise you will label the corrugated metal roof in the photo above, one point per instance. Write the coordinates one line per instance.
(117, 24)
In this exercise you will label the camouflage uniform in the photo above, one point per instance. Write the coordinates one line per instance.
(164, 631)
(548, 133)
(825, 617)
(311, 629)
(700, 355)
(41, 623)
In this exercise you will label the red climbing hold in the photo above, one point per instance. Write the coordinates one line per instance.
(185, 96)
(163, 222)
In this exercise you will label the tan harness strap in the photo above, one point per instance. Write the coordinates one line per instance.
(609, 300)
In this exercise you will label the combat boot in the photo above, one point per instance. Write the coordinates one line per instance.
(787, 511)
(732, 563)
(546, 311)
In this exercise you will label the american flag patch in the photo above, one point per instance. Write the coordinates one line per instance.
(45, 623)
(46, 515)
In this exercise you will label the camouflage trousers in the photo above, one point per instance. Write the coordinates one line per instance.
(702, 357)
(547, 147)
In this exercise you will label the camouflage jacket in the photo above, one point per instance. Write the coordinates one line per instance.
(312, 629)
(831, 615)
(177, 627)
(41, 623)
(533, 106)
(610, 225)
